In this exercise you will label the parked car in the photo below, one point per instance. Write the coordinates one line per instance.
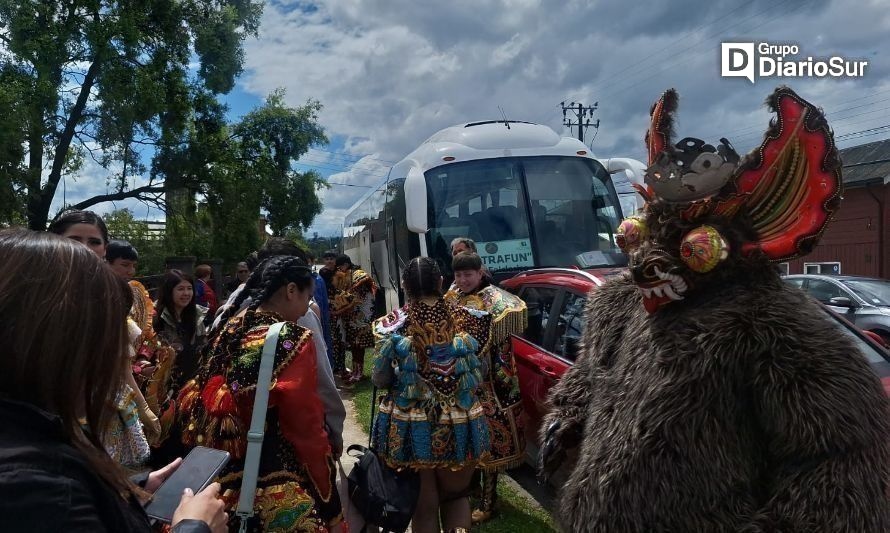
(556, 299)
(863, 301)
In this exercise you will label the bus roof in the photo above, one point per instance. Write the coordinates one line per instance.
(490, 139)
(485, 139)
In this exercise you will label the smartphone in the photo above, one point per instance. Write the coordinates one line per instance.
(199, 468)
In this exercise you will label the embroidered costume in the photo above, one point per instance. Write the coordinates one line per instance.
(142, 313)
(296, 489)
(353, 305)
(431, 417)
(125, 439)
(505, 314)
(711, 396)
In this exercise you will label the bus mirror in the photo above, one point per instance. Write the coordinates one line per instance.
(415, 201)
(636, 170)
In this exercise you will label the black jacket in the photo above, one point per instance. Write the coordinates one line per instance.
(46, 484)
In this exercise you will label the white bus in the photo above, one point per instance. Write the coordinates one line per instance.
(528, 197)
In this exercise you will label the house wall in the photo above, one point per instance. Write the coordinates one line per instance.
(853, 236)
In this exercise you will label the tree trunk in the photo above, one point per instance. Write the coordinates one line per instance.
(41, 198)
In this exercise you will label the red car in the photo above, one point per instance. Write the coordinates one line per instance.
(556, 299)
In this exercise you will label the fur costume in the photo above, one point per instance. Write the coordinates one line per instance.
(710, 396)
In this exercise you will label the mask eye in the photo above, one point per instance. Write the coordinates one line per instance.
(631, 233)
(705, 162)
(703, 248)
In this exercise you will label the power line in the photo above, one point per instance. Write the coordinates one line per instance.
(353, 155)
(671, 64)
(761, 125)
(583, 115)
(350, 185)
(661, 51)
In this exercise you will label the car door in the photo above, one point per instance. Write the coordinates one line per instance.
(536, 366)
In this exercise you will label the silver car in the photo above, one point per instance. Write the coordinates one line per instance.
(863, 301)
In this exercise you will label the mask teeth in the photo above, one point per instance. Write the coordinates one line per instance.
(669, 292)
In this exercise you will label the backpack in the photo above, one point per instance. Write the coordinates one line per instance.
(385, 497)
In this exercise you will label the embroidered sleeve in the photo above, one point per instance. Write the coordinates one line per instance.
(300, 411)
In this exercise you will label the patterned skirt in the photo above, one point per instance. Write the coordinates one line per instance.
(358, 333)
(441, 436)
(506, 430)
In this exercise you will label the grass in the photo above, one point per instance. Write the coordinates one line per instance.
(515, 514)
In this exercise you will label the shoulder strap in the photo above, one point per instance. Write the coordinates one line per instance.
(373, 406)
(257, 426)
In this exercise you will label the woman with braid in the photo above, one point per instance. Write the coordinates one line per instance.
(296, 490)
(431, 419)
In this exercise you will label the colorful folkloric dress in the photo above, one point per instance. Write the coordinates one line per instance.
(147, 344)
(338, 345)
(296, 489)
(431, 417)
(353, 304)
(125, 439)
(505, 315)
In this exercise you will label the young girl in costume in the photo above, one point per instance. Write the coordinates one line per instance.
(296, 489)
(431, 419)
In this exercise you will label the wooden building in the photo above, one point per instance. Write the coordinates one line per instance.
(855, 242)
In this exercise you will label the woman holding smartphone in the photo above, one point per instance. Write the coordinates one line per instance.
(62, 366)
(296, 489)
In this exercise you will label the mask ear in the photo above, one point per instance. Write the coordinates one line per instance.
(631, 233)
(661, 121)
(703, 248)
(792, 183)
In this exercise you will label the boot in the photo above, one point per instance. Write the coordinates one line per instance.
(488, 498)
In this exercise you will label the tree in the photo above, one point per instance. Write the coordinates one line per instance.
(241, 170)
(109, 80)
(123, 225)
(272, 138)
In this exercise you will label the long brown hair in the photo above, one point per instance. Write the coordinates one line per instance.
(63, 332)
(188, 318)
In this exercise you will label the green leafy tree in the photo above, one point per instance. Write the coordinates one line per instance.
(150, 245)
(107, 80)
(272, 138)
(242, 170)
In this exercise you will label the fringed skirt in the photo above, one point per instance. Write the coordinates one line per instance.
(440, 436)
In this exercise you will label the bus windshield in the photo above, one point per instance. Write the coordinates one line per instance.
(525, 212)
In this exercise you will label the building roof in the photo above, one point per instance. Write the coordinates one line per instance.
(855, 172)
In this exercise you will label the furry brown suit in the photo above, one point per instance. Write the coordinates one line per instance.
(722, 415)
(734, 403)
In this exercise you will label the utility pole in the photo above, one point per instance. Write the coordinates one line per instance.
(583, 116)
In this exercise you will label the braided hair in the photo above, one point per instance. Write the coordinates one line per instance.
(421, 278)
(269, 276)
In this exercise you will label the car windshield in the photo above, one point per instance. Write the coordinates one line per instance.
(873, 291)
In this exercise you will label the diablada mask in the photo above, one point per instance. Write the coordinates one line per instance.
(707, 209)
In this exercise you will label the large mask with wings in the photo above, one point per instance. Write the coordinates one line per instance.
(709, 212)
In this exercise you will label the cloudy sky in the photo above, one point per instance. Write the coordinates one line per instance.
(392, 72)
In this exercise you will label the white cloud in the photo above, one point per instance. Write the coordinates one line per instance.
(391, 73)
